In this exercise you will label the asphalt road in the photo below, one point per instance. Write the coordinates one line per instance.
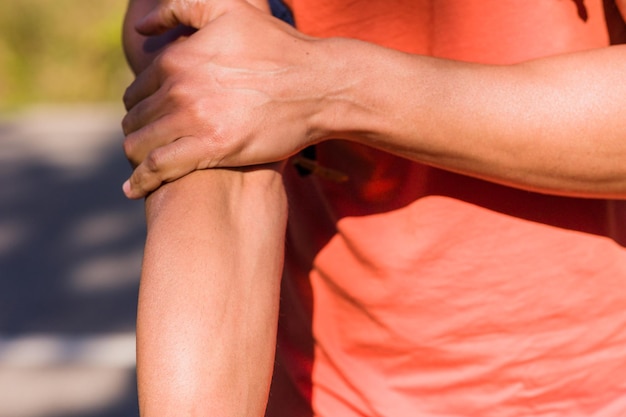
(70, 253)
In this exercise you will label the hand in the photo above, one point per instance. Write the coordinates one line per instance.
(245, 89)
(168, 14)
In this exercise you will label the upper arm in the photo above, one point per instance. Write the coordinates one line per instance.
(261, 4)
(140, 50)
(138, 53)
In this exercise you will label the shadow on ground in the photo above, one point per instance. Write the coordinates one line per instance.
(70, 246)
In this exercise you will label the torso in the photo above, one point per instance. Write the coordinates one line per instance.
(412, 291)
(461, 29)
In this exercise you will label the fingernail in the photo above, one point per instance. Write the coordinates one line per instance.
(126, 188)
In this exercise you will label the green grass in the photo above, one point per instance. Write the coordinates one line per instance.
(61, 51)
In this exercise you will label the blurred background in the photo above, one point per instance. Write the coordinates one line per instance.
(70, 244)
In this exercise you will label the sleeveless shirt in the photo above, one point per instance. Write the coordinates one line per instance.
(410, 291)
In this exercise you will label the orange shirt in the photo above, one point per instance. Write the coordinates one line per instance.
(414, 292)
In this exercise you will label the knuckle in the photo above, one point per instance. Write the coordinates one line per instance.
(137, 185)
(186, 104)
(168, 61)
(126, 98)
(197, 113)
(129, 148)
(154, 160)
(176, 92)
(139, 179)
(127, 125)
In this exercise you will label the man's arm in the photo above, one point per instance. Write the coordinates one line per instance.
(209, 294)
(552, 125)
(210, 281)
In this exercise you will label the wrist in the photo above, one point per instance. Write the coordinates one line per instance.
(373, 93)
(390, 100)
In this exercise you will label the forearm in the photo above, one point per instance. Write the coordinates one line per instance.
(209, 289)
(554, 125)
(209, 294)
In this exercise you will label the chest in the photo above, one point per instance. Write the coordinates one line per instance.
(489, 31)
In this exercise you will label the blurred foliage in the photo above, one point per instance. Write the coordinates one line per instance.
(61, 51)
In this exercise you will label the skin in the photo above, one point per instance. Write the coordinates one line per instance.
(208, 300)
(192, 108)
(207, 314)
(206, 324)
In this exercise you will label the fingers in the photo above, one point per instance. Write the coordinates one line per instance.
(159, 20)
(165, 122)
(147, 125)
(170, 13)
(145, 84)
(164, 164)
(156, 134)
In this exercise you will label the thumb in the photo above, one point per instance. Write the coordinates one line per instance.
(171, 13)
